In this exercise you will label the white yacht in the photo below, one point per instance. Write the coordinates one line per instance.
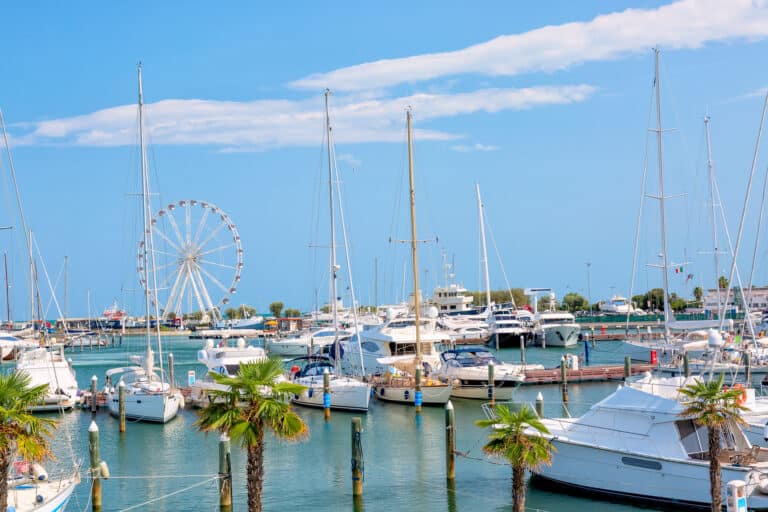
(252, 322)
(347, 393)
(398, 384)
(224, 360)
(47, 367)
(31, 489)
(452, 299)
(556, 329)
(467, 369)
(11, 345)
(302, 343)
(509, 328)
(396, 338)
(618, 305)
(635, 445)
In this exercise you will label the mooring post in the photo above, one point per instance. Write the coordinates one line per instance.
(747, 369)
(564, 378)
(497, 341)
(686, 365)
(94, 381)
(540, 405)
(121, 404)
(327, 394)
(225, 474)
(491, 384)
(417, 398)
(357, 457)
(627, 366)
(93, 449)
(450, 442)
(522, 349)
(586, 351)
(171, 371)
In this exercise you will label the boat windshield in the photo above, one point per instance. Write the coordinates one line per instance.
(480, 358)
(695, 439)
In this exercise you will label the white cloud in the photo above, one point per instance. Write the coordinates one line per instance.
(463, 148)
(264, 124)
(683, 24)
(350, 159)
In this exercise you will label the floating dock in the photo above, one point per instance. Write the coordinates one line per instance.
(583, 374)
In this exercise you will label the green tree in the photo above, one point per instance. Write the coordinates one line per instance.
(292, 313)
(501, 296)
(276, 308)
(326, 308)
(677, 304)
(713, 407)
(171, 316)
(252, 403)
(232, 313)
(20, 431)
(524, 451)
(575, 302)
(698, 295)
(247, 311)
(722, 282)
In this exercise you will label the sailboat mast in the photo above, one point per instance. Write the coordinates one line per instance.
(144, 211)
(665, 276)
(711, 169)
(483, 246)
(334, 265)
(414, 242)
(7, 289)
(66, 290)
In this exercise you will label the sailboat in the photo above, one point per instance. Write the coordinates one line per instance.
(403, 383)
(148, 397)
(347, 393)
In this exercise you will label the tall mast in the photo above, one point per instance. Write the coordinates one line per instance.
(661, 196)
(27, 232)
(66, 290)
(414, 242)
(144, 213)
(334, 265)
(711, 168)
(483, 245)
(7, 289)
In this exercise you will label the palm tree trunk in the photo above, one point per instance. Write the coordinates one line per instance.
(518, 489)
(715, 484)
(5, 461)
(255, 472)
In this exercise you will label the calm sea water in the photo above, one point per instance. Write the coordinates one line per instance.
(404, 456)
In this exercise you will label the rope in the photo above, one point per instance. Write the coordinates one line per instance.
(155, 477)
(140, 505)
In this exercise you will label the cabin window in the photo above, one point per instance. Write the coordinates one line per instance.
(370, 346)
(694, 439)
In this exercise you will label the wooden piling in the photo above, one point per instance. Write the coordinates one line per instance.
(93, 449)
(450, 442)
(540, 405)
(327, 394)
(491, 384)
(121, 404)
(357, 457)
(564, 379)
(225, 474)
(522, 349)
(627, 366)
(94, 382)
(586, 352)
(687, 365)
(747, 369)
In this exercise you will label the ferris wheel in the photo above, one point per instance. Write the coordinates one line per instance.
(198, 258)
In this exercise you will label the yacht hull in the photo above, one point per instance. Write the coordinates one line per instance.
(559, 336)
(55, 493)
(293, 349)
(346, 394)
(502, 392)
(430, 395)
(154, 408)
(622, 474)
(509, 339)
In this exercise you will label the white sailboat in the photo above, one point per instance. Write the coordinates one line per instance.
(406, 385)
(149, 396)
(51, 368)
(347, 393)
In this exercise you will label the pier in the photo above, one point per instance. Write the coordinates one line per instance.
(584, 374)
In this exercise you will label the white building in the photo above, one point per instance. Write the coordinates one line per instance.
(757, 302)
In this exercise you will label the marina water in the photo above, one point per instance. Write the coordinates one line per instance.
(404, 455)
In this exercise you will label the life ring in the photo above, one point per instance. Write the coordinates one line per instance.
(742, 398)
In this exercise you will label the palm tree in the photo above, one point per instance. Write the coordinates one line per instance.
(253, 403)
(713, 406)
(525, 451)
(20, 431)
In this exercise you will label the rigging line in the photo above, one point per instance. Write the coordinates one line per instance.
(751, 279)
(174, 493)
(53, 290)
(498, 256)
(638, 225)
(45, 271)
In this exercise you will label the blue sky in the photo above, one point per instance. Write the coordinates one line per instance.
(546, 105)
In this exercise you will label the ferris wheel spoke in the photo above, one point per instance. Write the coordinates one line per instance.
(213, 279)
(175, 226)
(166, 265)
(215, 264)
(217, 249)
(204, 290)
(182, 293)
(195, 289)
(200, 227)
(211, 235)
(170, 242)
(188, 222)
(172, 294)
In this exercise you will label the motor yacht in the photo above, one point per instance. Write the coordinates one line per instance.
(51, 368)
(307, 342)
(347, 393)
(467, 369)
(509, 328)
